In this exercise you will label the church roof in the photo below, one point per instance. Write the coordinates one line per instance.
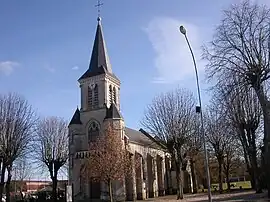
(113, 113)
(76, 119)
(142, 137)
(99, 62)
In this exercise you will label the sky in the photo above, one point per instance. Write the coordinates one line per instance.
(45, 46)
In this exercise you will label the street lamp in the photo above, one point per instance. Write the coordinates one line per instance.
(199, 110)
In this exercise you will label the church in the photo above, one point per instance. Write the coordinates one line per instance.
(100, 102)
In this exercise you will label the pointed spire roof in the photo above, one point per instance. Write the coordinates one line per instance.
(113, 113)
(99, 62)
(76, 119)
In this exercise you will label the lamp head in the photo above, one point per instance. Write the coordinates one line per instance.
(182, 30)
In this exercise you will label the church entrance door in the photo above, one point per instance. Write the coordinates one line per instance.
(95, 190)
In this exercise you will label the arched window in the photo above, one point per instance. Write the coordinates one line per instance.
(93, 131)
(114, 95)
(110, 94)
(96, 96)
(90, 98)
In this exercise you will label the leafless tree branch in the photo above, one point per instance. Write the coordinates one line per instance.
(51, 146)
(171, 117)
(240, 49)
(17, 121)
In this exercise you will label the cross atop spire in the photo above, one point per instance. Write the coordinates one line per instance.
(98, 5)
(99, 62)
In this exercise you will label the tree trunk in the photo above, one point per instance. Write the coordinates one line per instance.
(53, 173)
(22, 197)
(179, 179)
(2, 182)
(228, 180)
(262, 172)
(267, 160)
(248, 140)
(171, 185)
(252, 180)
(169, 180)
(110, 190)
(251, 170)
(220, 176)
(255, 171)
(54, 188)
(252, 154)
(247, 161)
(265, 104)
(194, 176)
(8, 184)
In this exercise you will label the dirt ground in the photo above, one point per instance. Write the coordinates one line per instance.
(238, 196)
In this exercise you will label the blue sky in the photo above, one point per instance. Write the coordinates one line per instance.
(45, 47)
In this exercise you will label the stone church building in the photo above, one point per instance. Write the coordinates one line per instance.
(100, 103)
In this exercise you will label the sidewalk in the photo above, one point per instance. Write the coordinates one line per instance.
(239, 196)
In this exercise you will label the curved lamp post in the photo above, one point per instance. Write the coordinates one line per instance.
(199, 110)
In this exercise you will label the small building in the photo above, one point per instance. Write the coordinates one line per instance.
(30, 186)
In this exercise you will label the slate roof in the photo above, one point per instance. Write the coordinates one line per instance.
(142, 138)
(99, 62)
(113, 112)
(76, 119)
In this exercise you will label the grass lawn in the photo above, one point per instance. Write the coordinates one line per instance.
(234, 185)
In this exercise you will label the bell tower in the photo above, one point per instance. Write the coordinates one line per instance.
(100, 106)
(100, 91)
(99, 86)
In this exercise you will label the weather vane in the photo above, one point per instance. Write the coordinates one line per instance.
(99, 4)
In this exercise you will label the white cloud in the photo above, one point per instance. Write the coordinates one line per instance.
(7, 67)
(173, 60)
(75, 68)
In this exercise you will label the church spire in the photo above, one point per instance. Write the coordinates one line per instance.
(99, 62)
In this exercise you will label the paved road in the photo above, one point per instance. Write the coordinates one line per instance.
(240, 196)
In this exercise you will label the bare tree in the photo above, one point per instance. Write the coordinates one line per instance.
(171, 118)
(17, 121)
(219, 135)
(241, 48)
(199, 168)
(194, 148)
(22, 170)
(243, 112)
(108, 160)
(51, 147)
(232, 160)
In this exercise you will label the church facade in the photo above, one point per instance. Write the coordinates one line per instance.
(100, 102)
